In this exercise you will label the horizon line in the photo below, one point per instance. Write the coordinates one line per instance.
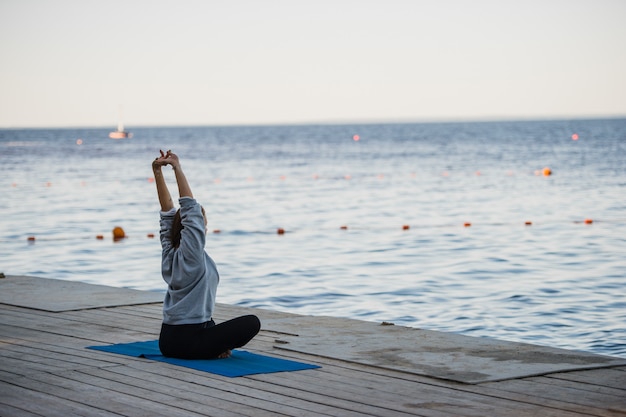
(338, 122)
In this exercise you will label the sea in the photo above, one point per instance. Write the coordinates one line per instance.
(513, 230)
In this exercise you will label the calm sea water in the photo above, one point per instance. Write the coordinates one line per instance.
(557, 282)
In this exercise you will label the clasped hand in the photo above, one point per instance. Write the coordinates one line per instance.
(167, 158)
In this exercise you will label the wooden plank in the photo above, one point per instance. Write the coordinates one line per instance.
(50, 322)
(145, 310)
(125, 313)
(10, 411)
(489, 396)
(451, 400)
(387, 391)
(55, 324)
(26, 367)
(571, 399)
(581, 386)
(249, 388)
(61, 326)
(6, 375)
(612, 378)
(202, 403)
(44, 403)
(62, 295)
(52, 357)
(522, 397)
(95, 393)
(386, 402)
(249, 402)
(58, 344)
(119, 320)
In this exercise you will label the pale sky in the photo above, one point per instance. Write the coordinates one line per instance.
(76, 62)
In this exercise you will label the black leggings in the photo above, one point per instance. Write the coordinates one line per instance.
(207, 340)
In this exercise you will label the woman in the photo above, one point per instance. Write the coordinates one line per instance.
(188, 330)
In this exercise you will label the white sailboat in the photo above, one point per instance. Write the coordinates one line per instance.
(120, 133)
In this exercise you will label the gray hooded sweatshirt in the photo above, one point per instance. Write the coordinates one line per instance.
(190, 273)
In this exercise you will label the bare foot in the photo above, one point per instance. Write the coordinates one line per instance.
(224, 355)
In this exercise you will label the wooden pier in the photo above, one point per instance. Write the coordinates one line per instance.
(367, 369)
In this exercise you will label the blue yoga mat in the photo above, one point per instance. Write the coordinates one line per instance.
(241, 363)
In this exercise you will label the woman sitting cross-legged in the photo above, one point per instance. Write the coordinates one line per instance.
(188, 330)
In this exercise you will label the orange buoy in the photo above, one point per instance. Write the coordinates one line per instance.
(99, 237)
(118, 233)
(588, 221)
(406, 227)
(150, 235)
(344, 227)
(467, 224)
(216, 231)
(528, 223)
(575, 136)
(280, 231)
(547, 172)
(31, 238)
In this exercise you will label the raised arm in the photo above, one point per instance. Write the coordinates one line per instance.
(165, 199)
(184, 190)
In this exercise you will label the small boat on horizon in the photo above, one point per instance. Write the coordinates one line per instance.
(120, 133)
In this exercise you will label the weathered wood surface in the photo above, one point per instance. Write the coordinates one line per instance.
(45, 370)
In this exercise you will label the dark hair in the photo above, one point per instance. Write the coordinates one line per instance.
(177, 227)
